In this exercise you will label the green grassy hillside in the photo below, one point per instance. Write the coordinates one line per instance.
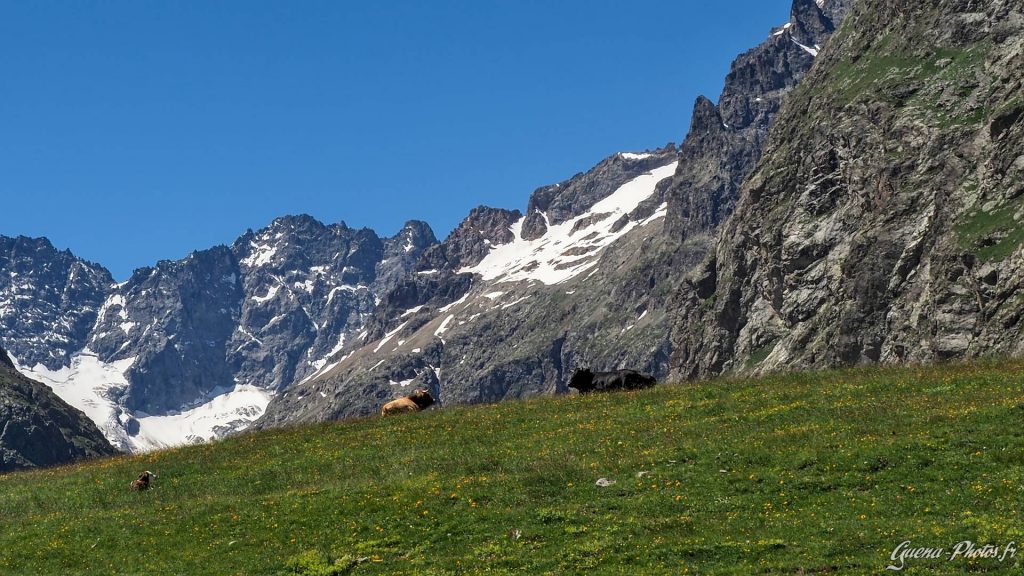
(797, 474)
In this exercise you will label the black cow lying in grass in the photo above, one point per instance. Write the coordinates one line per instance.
(586, 381)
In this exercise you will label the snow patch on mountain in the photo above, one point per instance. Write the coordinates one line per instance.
(411, 311)
(444, 325)
(113, 301)
(324, 364)
(387, 337)
(571, 247)
(808, 49)
(94, 386)
(783, 30)
(342, 288)
(261, 255)
(271, 292)
(227, 411)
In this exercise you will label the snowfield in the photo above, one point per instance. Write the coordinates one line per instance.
(94, 386)
(227, 411)
(570, 248)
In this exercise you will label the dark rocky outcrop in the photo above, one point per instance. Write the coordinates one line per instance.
(38, 429)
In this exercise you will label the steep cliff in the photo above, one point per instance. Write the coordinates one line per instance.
(883, 223)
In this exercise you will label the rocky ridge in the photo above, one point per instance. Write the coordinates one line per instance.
(48, 300)
(882, 224)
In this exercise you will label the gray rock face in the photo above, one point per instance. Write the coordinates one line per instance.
(48, 300)
(836, 10)
(883, 222)
(402, 253)
(305, 283)
(176, 320)
(38, 429)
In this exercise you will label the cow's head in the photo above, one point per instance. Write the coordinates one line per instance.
(421, 398)
(147, 475)
(582, 380)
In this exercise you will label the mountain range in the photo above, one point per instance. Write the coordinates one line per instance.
(852, 197)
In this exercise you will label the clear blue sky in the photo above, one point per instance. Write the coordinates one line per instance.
(133, 131)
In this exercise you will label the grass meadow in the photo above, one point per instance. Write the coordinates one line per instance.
(811, 473)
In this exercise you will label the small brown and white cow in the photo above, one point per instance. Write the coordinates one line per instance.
(143, 482)
(418, 400)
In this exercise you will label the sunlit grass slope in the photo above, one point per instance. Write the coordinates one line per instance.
(805, 473)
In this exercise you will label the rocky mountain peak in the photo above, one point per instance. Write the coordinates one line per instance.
(299, 221)
(415, 235)
(402, 253)
(48, 300)
(471, 240)
(835, 10)
(810, 21)
(705, 118)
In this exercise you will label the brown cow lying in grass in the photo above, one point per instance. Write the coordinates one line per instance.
(586, 381)
(418, 400)
(143, 482)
